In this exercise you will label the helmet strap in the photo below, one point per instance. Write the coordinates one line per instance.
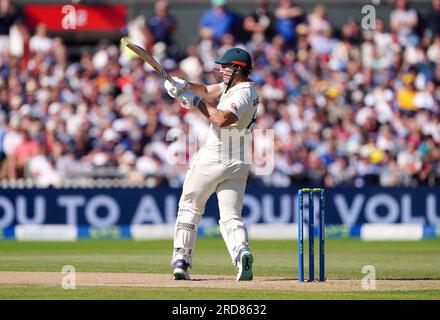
(233, 75)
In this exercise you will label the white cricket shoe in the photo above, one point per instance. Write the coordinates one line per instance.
(245, 266)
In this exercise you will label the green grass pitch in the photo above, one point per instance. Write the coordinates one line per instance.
(345, 258)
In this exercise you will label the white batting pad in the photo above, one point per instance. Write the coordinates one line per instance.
(185, 233)
(234, 234)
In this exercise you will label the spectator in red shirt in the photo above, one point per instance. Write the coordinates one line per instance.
(22, 153)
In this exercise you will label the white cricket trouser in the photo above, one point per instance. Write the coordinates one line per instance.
(204, 177)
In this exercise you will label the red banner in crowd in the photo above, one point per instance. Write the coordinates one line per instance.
(77, 17)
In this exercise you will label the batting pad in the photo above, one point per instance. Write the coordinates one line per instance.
(185, 233)
(234, 234)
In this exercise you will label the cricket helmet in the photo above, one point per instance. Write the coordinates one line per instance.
(237, 57)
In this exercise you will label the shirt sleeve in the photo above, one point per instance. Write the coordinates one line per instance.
(205, 21)
(238, 103)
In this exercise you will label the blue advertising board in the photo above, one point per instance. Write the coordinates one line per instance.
(105, 207)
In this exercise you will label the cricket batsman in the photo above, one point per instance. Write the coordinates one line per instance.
(219, 164)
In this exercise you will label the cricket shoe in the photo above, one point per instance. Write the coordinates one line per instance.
(180, 270)
(245, 267)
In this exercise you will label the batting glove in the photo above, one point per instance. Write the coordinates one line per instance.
(188, 100)
(175, 89)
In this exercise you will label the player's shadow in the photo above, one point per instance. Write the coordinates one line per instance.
(281, 279)
(211, 279)
(233, 278)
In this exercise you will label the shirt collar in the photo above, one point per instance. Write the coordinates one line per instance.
(241, 85)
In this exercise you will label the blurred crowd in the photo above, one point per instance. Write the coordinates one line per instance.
(348, 106)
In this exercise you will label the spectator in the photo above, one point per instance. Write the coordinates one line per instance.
(191, 65)
(12, 138)
(408, 162)
(407, 94)
(287, 18)
(404, 21)
(101, 56)
(433, 53)
(323, 45)
(260, 22)
(162, 25)
(40, 42)
(27, 148)
(220, 20)
(42, 170)
(351, 31)
(340, 55)
(227, 42)
(384, 44)
(318, 22)
(340, 173)
(9, 16)
(433, 18)
(138, 32)
(206, 48)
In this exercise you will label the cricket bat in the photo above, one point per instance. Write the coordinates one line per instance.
(147, 57)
